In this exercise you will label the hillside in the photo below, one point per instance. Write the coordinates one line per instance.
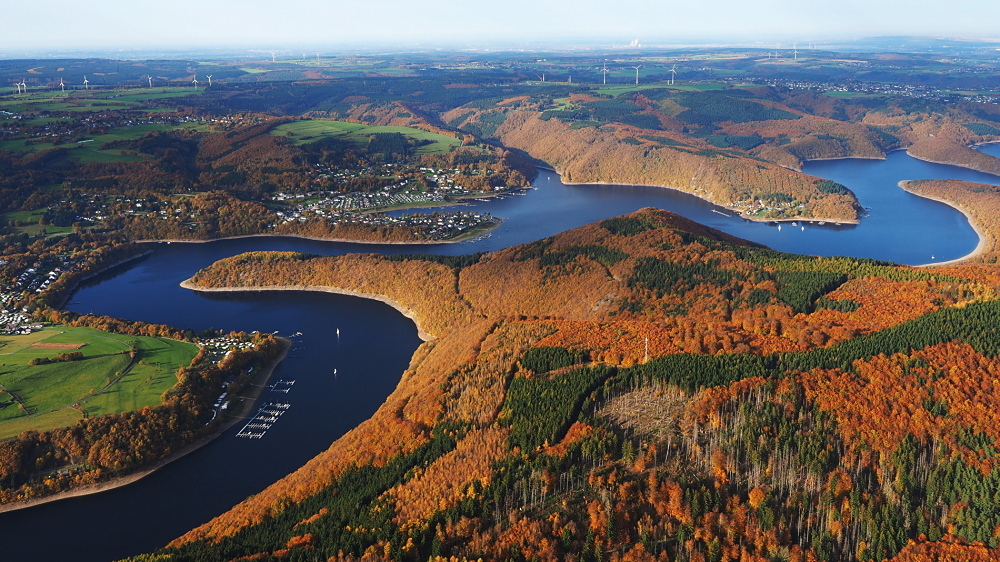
(784, 406)
(741, 147)
(600, 155)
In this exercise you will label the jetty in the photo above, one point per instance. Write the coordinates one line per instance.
(262, 421)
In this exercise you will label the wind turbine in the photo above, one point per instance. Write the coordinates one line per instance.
(195, 81)
(795, 51)
(272, 57)
(62, 86)
(637, 73)
(673, 74)
(209, 80)
(24, 85)
(605, 71)
(86, 83)
(18, 84)
(542, 78)
(150, 78)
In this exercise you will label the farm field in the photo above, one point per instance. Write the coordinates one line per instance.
(305, 132)
(90, 101)
(107, 379)
(88, 150)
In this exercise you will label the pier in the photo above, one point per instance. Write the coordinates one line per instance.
(262, 421)
(282, 386)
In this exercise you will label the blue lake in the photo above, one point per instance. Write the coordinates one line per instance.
(376, 342)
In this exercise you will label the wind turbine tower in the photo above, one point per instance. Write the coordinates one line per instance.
(24, 85)
(605, 71)
(637, 73)
(150, 78)
(62, 87)
(86, 83)
(195, 81)
(272, 57)
(673, 74)
(18, 84)
(209, 80)
(795, 51)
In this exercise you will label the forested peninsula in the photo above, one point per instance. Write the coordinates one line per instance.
(646, 387)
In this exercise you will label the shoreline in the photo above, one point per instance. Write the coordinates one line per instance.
(457, 240)
(984, 242)
(736, 212)
(410, 314)
(78, 282)
(127, 479)
(945, 163)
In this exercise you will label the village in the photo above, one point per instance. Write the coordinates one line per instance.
(15, 317)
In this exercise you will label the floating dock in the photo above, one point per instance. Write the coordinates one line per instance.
(263, 420)
(282, 386)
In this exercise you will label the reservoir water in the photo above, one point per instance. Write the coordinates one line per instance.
(376, 342)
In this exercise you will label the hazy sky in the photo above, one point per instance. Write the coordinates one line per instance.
(128, 24)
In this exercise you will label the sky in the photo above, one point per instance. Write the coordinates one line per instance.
(267, 24)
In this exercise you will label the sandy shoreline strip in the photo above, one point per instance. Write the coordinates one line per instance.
(316, 238)
(113, 483)
(458, 240)
(424, 335)
(985, 243)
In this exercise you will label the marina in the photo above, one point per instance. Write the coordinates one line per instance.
(282, 386)
(263, 420)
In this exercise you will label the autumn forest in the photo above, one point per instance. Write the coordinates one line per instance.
(643, 387)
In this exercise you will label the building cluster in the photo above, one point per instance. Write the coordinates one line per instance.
(765, 209)
(219, 347)
(878, 88)
(357, 201)
(436, 226)
(16, 323)
(62, 125)
(400, 177)
(37, 278)
(14, 317)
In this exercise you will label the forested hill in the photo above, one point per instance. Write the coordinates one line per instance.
(647, 388)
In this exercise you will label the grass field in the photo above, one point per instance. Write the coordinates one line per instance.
(618, 89)
(107, 380)
(30, 226)
(89, 151)
(304, 132)
(93, 100)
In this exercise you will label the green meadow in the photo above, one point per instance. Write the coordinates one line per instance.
(89, 149)
(92, 100)
(619, 89)
(305, 132)
(106, 380)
